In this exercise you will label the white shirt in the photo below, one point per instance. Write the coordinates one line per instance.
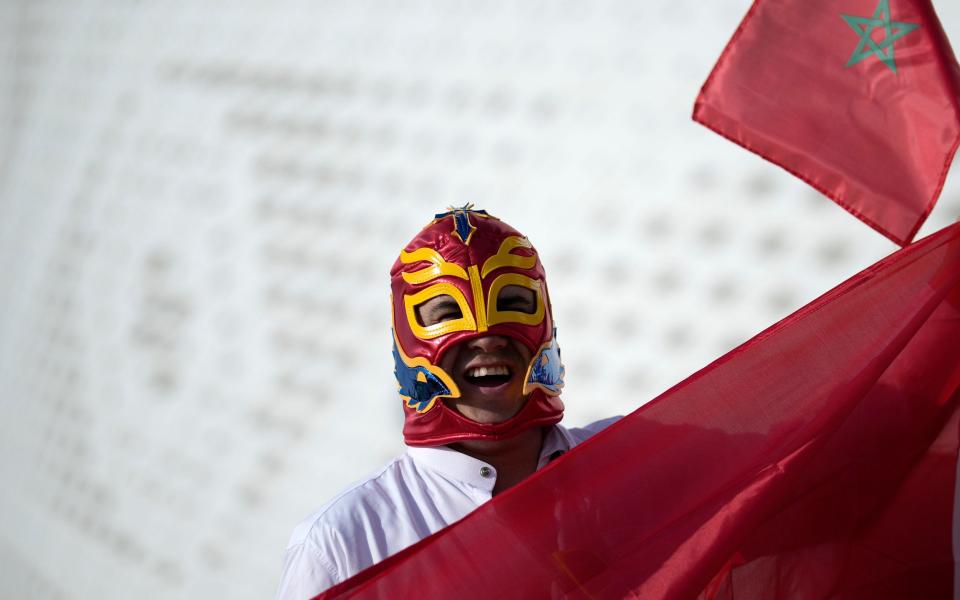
(417, 494)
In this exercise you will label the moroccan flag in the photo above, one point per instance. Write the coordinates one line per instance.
(859, 98)
(816, 460)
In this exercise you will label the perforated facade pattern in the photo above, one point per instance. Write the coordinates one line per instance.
(200, 203)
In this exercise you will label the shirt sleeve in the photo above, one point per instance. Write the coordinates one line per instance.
(306, 572)
(582, 434)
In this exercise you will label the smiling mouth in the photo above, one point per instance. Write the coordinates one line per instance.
(488, 376)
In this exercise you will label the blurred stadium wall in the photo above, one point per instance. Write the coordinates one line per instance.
(200, 201)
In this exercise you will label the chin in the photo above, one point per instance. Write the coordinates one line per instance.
(484, 415)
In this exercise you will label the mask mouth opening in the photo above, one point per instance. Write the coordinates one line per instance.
(492, 376)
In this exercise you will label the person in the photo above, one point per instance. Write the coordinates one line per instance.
(480, 375)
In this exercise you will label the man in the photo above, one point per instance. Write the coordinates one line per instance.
(479, 372)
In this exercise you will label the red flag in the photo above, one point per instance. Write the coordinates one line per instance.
(816, 460)
(859, 98)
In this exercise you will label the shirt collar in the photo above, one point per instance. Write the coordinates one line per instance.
(457, 466)
(555, 444)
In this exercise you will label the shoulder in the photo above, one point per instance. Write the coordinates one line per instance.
(340, 538)
(352, 508)
(576, 435)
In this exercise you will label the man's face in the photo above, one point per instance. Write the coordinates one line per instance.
(489, 369)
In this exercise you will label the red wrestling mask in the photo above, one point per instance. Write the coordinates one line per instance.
(464, 260)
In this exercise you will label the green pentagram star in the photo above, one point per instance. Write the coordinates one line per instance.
(867, 47)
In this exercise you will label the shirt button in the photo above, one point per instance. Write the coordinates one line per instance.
(486, 471)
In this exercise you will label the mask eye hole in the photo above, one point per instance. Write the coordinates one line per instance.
(517, 298)
(437, 310)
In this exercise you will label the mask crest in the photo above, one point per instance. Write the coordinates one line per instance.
(462, 227)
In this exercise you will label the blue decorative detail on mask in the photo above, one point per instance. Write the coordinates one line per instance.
(461, 220)
(547, 369)
(418, 386)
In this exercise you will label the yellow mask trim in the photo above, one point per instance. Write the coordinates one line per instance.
(495, 316)
(437, 268)
(464, 323)
(505, 257)
(477, 287)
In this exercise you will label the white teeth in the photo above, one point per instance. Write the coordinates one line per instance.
(484, 371)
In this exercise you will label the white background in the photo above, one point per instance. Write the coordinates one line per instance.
(200, 203)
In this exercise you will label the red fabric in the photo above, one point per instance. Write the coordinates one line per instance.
(816, 460)
(879, 142)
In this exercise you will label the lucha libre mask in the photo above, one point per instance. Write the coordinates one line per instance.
(469, 256)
